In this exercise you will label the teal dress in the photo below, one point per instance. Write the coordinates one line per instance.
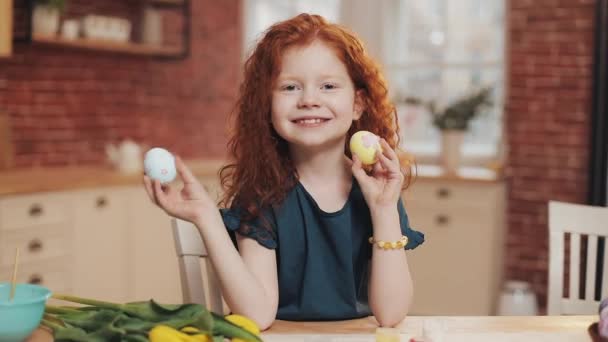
(322, 258)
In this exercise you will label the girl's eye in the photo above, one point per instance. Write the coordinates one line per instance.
(329, 86)
(289, 87)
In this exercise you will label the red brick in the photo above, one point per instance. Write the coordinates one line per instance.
(59, 98)
(548, 118)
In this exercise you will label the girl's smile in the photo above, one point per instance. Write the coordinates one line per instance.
(310, 121)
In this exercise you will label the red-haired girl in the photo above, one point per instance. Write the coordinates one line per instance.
(317, 236)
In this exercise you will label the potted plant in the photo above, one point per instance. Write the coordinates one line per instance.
(45, 17)
(453, 121)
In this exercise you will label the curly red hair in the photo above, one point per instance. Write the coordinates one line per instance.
(262, 172)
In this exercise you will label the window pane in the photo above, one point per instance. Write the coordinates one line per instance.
(441, 31)
(414, 32)
(260, 14)
(329, 9)
(415, 121)
(474, 31)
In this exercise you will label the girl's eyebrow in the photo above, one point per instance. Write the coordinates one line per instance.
(320, 77)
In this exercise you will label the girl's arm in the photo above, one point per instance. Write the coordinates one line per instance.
(390, 284)
(248, 281)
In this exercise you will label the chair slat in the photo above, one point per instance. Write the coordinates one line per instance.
(591, 263)
(556, 273)
(575, 254)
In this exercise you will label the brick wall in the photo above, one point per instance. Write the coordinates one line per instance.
(548, 115)
(64, 105)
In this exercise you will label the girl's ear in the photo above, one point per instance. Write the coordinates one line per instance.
(359, 106)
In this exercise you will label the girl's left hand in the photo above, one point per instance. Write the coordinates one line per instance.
(382, 187)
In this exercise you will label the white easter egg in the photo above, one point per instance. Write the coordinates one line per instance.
(160, 164)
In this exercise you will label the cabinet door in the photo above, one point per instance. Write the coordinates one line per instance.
(152, 258)
(100, 245)
(458, 268)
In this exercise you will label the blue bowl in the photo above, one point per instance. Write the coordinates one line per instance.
(21, 316)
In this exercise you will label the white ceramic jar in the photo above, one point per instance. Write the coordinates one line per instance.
(517, 299)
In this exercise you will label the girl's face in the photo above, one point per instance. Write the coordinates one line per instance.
(314, 101)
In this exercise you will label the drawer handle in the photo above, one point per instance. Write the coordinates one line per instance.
(36, 210)
(35, 279)
(101, 202)
(442, 220)
(34, 246)
(443, 193)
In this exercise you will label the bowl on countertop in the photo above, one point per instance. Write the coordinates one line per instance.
(22, 315)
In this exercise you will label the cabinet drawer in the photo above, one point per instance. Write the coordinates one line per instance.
(53, 274)
(443, 192)
(26, 211)
(35, 244)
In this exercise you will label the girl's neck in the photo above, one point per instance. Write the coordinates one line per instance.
(321, 165)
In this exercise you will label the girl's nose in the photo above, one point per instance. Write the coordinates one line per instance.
(308, 99)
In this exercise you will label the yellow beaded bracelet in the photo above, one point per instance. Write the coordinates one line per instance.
(389, 245)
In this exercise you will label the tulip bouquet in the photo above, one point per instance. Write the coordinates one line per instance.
(142, 321)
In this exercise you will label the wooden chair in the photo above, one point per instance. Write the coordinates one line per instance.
(576, 220)
(191, 250)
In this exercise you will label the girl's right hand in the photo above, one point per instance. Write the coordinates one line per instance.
(191, 203)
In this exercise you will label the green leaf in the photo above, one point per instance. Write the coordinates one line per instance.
(134, 338)
(458, 114)
(90, 320)
(73, 334)
(147, 310)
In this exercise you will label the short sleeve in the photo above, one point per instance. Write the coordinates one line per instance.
(415, 238)
(261, 229)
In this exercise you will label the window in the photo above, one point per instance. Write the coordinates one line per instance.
(439, 50)
(260, 14)
(430, 49)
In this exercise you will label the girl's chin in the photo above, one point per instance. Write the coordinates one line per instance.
(319, 143)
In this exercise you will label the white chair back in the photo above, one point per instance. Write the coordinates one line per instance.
(577, 221)
(190, 252)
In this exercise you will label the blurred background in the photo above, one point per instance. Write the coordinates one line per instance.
(87, 86)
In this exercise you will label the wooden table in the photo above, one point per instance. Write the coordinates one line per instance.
(444, 329)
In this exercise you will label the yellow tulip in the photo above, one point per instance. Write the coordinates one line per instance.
(163, 333)
(244, 323)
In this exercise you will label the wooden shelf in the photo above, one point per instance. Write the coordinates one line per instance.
(101, 45)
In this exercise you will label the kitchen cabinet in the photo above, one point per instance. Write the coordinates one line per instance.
(109, 243)
(40, 225)
(153, 262)
(100, 248)
(457, 271)
(6, 27)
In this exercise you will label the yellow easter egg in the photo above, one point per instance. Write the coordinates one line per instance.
(365, 144)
